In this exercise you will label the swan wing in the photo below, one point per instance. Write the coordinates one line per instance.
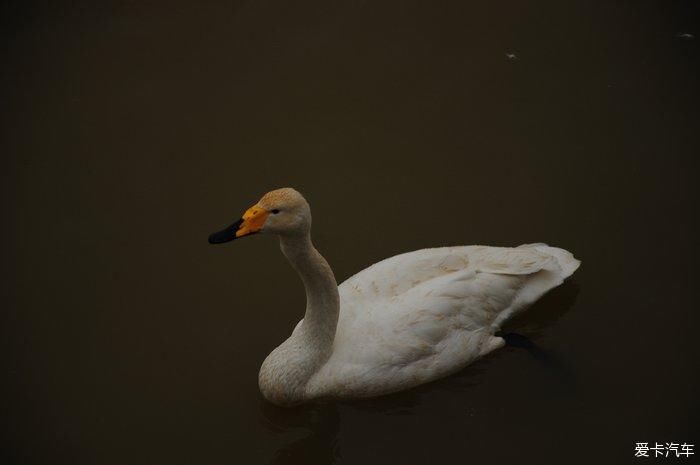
(422, 315)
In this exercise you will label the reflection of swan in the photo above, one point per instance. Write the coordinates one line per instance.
(314, 431)
(402, 322)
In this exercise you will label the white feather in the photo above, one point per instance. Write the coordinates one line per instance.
(422, 315)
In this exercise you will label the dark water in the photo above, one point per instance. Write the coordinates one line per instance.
(132, 130)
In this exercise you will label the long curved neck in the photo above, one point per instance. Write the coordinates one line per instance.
(322, 299)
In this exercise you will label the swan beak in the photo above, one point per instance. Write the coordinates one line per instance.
(251, 223)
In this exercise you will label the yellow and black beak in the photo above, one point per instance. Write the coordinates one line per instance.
(251, 223)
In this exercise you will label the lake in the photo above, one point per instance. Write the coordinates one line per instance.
(133, 130)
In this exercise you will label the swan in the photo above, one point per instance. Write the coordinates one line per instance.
(403, 321)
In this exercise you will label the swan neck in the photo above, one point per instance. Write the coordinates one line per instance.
(322, 300)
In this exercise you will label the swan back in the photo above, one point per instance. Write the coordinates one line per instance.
(422, 315)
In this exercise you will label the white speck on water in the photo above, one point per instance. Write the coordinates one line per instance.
(511, 56)
(685, 35)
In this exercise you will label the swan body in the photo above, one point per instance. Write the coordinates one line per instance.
(404, 321)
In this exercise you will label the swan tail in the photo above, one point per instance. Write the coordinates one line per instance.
(550, 275)
(564, 258)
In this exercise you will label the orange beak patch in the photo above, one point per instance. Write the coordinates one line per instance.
(253, 221)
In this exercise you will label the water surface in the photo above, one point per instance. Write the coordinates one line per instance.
(134, 130)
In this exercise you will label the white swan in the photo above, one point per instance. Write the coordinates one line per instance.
(401, 322)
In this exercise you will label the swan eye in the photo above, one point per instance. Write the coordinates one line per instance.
(275, 211)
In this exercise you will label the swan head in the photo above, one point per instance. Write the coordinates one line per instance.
(284, 212)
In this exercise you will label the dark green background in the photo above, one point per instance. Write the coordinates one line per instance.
(131, 130)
